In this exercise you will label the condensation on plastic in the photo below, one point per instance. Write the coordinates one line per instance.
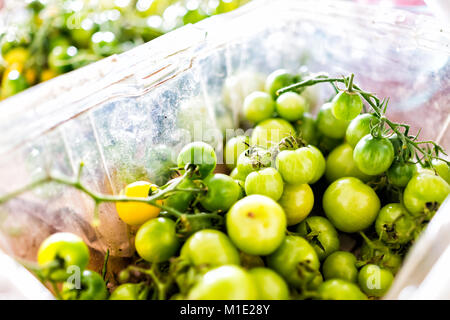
(117, 114)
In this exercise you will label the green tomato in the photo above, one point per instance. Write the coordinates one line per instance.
(269, 284)
(373, 156)
(130, 291)
(346, 105)
(65, 248)
(156, 240)
(199, 154)
(359, 127)
(381, 255)
(252, 160)
(399, 173)
(58, 59)
(338, 289)
(321, 164)
(277, 80)
(340, 265)
(267, 182)
(321, 234)
(291, 106)
(328, 125)
(258, 106)
(211, 248)
(82, 35)
(442, 169)
(424, 189)
(295, 260)
(270, 132)
(237, 175)
(306, 129)
(394, 224)
(222, 192)
(181, 200)
(375, 281)
(233, 149)
(350, 205)
(297, 201)
(256, 224)
(225, 283)
(13, 82)
(340, 164)
(297, 166)
(92, 287)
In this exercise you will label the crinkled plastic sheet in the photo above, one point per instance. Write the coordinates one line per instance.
(117, 114)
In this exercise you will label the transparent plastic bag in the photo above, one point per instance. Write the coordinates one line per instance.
(117, 114)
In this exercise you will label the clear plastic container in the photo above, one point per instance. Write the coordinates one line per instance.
(116, 114)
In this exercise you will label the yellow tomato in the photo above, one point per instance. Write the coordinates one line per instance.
(16, 56)
(136, 213)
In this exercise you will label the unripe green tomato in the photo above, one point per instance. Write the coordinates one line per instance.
(237, 175)
(252, 160)
(210, 248)
(233, 149)
(258, 106)
(338, 289)
(340, 265)
(130, 291)
(399, 173)
(340, 164)
(359, 127)
(394, 224)
(298, 166)
(297, 201)
(372, 155)
(200, 154)
(321, 234)
(13, 82)
(222, 192)
(58, 59)
(270, 132)
(328, 125)
(375, 281)
(381, 255)
(442, 169)
(156, 240)
(92, 287)
(291, 106)
(267, 182)
(225, 283)
(306, 129)
(321, 164)
(346, 105)
(277, 80)
(182, 199)
(350, 205)
(269, 284)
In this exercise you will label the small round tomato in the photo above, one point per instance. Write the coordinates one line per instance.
(200, 154)
(130, 291)
(59, 58)
(237, 175)
(222, 192)
(258, 106)
(340, 164)
(399, 173)
(297, 166)
(211, 248)
(359, 127)
(340, 265)
(338, 289)
(350, 205)
(136, 213)
(372, 155)
(346, 105)
(256, 224)
(291, 106)
(277, 80)
(92, 287)
(328, 125)
(321, 234)
(297, 201)
(267, 182)
(270, 132)
(442, 169)
(225, 283)
(67, 249)
(306, 128)
(375, 281)
(269, 284)
(394, 224)
(233, 149)
(252, 160)
(295, 260)
(424, 189)
(181, 200)
(321, 164)
(156, 240)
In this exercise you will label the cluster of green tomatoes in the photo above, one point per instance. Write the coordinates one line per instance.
(301, 189)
